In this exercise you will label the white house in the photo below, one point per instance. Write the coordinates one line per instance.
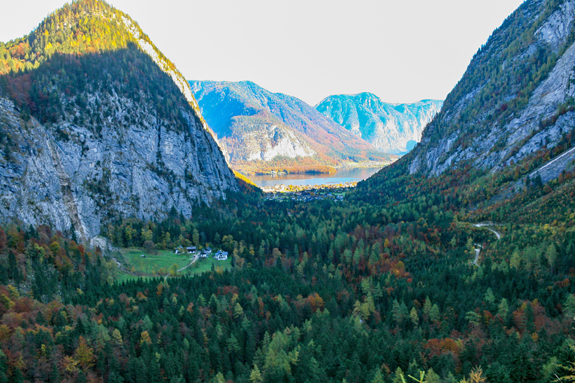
(221, 255)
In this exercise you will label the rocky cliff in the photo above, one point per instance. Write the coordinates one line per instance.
(253, 124)
(515, 99)
(102, 130)
(391, 128)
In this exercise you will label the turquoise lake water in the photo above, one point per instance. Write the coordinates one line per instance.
(341, 176)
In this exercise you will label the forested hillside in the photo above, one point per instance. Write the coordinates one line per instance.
(323, 291)
(96, 123)
(515, 98)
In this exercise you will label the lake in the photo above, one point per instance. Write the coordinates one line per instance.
(341, 176)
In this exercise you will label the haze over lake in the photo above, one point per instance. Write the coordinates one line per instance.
(341, 176)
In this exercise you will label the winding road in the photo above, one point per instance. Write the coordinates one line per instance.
(484, 225)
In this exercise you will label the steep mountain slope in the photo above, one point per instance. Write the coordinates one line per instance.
(96, 124)
(391, 128)
(515, 100)
(260, 129)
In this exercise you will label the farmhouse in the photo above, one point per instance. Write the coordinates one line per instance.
(221, 255)
(191, 249)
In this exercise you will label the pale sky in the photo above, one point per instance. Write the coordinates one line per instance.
(400, 50)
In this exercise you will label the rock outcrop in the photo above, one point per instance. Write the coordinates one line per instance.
(516, 97)
(107, 134)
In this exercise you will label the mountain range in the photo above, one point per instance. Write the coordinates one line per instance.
(97, 124)
(453, 264)
(390, 128)
(262, 130)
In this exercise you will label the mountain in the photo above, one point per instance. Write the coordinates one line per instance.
(515, 103)
(260, 130)
(391, 128)
(97, 124)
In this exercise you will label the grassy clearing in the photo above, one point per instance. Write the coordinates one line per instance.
(153, 263)
(159, 264)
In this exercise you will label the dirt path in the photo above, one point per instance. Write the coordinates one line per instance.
(484, 225)
(189, 264)
(477, 251)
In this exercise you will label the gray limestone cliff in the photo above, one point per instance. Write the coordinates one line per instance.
(515, 99)
(116, 133)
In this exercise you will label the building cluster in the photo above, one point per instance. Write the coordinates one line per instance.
(282, 188)
(308, 196)
(220, 255)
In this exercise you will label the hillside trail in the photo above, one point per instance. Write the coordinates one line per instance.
(196, 257)
(484, 225)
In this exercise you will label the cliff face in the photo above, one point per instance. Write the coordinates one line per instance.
(109, 133)
(391, 128)
(515, 98)
(254, 124)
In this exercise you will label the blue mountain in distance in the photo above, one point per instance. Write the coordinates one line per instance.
(262, 131)
(390, 128)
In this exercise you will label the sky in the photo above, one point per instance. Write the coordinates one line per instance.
(400, 50)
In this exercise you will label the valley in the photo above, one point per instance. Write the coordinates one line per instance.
(454, 262)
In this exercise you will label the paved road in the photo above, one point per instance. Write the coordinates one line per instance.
(484, 225)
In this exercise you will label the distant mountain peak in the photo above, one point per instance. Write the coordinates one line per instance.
(253, 123)
(391, 128)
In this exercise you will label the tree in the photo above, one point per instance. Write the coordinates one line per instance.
(503, 309)
(377, 377)
(84, 354)
(398, 377)
(414, 316)
(551, 256)
(255, 375)
(427, 307)
(117, 337)
(435, 314)
(515, 261)
(149, 246)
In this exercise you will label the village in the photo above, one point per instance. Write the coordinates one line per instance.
(307, 193)
(220, 255)
(137, 262)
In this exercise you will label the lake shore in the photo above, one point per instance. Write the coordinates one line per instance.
(281, 183)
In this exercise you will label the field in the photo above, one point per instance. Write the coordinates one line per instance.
(153, 264)
(159, 265)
